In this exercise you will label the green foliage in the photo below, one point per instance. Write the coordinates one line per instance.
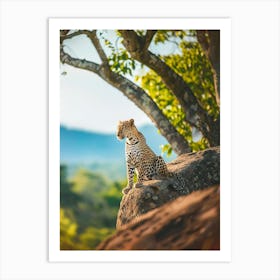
(187, 60)
(91, 237)
(121, 62)
(68, 230)
(91, 217)
(86, 182)
(112, 195)
(192, 65)
(119, 59)
(167, 102)
(169, 35)
(166, 149)
(67, 197)
(196, 70)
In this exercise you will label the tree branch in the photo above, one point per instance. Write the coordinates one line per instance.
(132, 42)
(210, 43)
(64, 34)
(195, 115)
(96, 43)
(137, 95)
(79, 63)
(148, 38)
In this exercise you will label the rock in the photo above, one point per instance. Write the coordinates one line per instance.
(190, 222)
(198, 170)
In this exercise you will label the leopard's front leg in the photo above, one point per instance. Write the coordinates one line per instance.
(141, 177)
(130, 174)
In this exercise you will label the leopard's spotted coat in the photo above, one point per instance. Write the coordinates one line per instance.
(139, 156)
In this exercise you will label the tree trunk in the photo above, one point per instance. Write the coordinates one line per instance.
(210, 43)
(195, 115)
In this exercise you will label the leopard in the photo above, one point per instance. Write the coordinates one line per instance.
(140, 158)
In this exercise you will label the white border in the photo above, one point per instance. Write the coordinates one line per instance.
(55, 255)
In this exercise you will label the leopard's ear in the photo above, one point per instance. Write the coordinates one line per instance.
(131, 121)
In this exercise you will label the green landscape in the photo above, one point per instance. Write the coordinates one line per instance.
(92, 176)
(89, 205)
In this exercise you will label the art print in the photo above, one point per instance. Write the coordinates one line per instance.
(137, 130)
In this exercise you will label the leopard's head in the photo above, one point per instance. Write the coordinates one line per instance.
(124, 127)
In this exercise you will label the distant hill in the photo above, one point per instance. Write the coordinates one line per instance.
(100, 152)
(78, 146)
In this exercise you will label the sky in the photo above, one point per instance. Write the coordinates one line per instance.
(89, 103)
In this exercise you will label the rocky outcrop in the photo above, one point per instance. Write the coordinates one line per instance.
(190, 222)
(197, 171)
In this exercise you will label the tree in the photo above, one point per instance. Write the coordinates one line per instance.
(88, 208)
(179, 92)
(68, 199)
